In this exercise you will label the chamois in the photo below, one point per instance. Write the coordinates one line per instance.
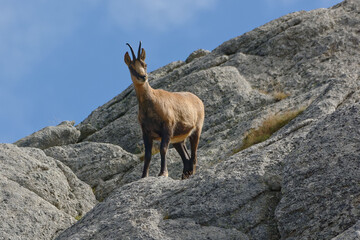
(168, 117)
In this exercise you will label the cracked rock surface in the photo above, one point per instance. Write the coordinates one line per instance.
(40, 196)
(62, 134)
(301, 183)
(103, 166)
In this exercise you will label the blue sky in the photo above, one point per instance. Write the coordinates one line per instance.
(60, 60)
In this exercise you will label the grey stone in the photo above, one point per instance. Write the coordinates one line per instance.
(136, 220)
(40, 196)
(85, 131)
(97, 164)
(62, 134)
(25, 215)
(320, 194)
(352, 233)
(196, 54)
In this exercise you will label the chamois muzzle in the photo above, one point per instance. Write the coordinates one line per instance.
(137, 75)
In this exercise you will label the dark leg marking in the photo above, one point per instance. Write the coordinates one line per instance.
(148, 142)
(181, 149)
(164, 145)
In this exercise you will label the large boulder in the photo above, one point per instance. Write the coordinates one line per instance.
(62, 134)
(103, 166)
(40, 196)
(320, 190)
(25, 215)
(197, 54)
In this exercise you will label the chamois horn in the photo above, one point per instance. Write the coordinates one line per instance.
(132, 51)
(139, 51)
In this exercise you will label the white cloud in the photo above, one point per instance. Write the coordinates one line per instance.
(156, 15)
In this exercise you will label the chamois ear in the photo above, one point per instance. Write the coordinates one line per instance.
(127, 58)
(143, 54)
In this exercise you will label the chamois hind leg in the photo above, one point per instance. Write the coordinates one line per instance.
(181, 149)
(194, 142)
(148, 142)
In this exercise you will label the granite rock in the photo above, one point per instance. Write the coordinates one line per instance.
(62, 134)
(97, 164)
(40, 196)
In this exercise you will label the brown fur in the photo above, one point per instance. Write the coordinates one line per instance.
(169, 117)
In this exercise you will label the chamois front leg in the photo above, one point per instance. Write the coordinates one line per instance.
(165, 141)
(148, 142)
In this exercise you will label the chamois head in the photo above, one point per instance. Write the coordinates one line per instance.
(137, 66)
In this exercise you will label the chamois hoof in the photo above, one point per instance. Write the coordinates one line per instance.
(186, 175)
(163, 174)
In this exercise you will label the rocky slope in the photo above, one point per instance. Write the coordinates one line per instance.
(301, 183)
(39, 195)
